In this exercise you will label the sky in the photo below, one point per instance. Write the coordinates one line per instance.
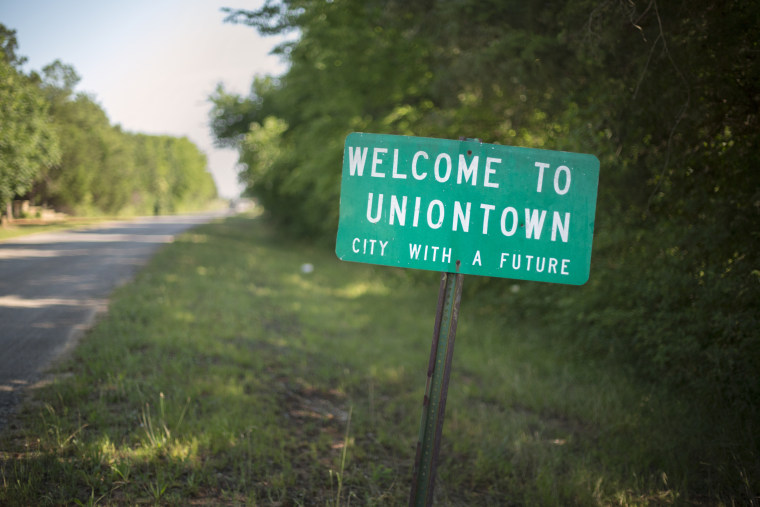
(150, 64)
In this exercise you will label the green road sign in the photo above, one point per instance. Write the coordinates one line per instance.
(500, 211)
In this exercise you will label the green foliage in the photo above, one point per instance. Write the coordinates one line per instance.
(172, 173)
(666, 94)
(58, 148)
(9, 46)
(106, 170)
(331, 89)
(27, 141)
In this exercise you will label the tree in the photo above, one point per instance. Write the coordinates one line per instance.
(357, 66)
(9, 46)
(666, 94)
(105, 170)
(86, 140)
(172, 174)
(27, 141)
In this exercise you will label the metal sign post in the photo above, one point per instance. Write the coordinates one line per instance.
(436, 389)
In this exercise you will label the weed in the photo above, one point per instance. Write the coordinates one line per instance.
(62, 438)
(157, 437)
(90, 500)
(157, 487)
(122, 470)
(340, 473)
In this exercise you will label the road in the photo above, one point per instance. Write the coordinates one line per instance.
(53, 284)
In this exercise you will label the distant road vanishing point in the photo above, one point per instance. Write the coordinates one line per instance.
(53, 284)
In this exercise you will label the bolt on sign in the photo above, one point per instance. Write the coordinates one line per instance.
(499, 211)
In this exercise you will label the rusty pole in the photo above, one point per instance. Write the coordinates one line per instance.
(436, 389)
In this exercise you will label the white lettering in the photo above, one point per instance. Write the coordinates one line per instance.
(477, 259)
(487, 208)
(516, 265)
(396, 175)
(395, 210)
(429, 251)
(376, 162)
(566, 170)
(416, 211)
(541, 166)
(541, 264)
(436, 167)
(374, 219)
(463, 216)
(512, 212)
(356, 159)
(398, 211)
(489, 172)
(467, 172)
(416, 175)
(534, 223)
(563, 228)
(439, 205)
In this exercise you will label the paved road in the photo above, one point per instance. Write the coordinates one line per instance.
(53, 284)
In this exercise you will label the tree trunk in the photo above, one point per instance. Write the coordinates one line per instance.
(8, 213)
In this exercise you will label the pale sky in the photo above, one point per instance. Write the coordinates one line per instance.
(151, 64)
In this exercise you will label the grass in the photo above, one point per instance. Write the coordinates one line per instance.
(23, 228)
(226, 375)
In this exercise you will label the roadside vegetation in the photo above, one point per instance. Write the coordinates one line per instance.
(665, 94)
(229, 373)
